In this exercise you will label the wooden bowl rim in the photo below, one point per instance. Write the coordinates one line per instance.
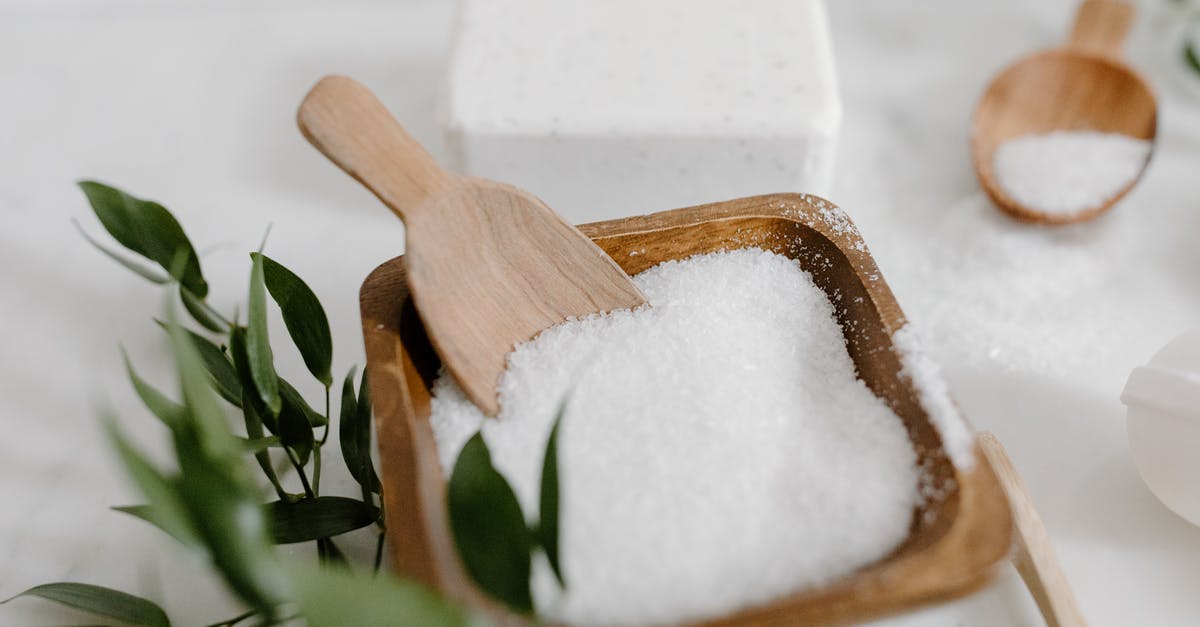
(965, 557)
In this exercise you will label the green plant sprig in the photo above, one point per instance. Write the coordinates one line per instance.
(210, 502)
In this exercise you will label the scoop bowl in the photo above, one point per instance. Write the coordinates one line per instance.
(1081, 86)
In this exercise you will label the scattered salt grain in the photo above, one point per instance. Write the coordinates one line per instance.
(718, 450)
(990, 291)
(1067, 172)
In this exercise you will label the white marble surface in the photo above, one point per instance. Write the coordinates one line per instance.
(191, 102)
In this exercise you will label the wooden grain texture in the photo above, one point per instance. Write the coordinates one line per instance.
(1034, 558)
(1081, 86)
(488, 265)
(958, 536)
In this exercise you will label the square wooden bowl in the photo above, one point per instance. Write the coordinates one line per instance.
(958, 538)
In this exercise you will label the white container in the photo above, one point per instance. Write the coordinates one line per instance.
(618, 107)
(1163, 398)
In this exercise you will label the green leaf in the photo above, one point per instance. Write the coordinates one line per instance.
(221, 499)
(241, 365)
(234, 526)
(167, 410)
(354, 434)
(488, 527)
(149, 274)
(290, 396)
(295, 432)
(315, 518)
(255, 445)
(254, 429)
(333, 597)
(147, 228)
(362, 423)
(166, 509)
(304, 317)
(258, 343)
(333, 554)
(296, 421)
(101, 601)
(207, 421)
(547, 529)
(1191, 56)
(219, 366)
(202, 313)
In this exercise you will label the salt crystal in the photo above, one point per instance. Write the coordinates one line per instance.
(1067, 172)
(718, 450)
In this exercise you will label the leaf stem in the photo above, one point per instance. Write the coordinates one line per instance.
(322, 550)
(316, 453)
(317, 448)
(235, 620)
(214, 313)
(379, 550)
(273, 478)
(308, 491)
(328, 419)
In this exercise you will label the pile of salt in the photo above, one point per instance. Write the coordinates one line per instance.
(718, 449)
(1068, 172)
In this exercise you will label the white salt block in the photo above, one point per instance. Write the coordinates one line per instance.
(1163, 398)
(606, 109)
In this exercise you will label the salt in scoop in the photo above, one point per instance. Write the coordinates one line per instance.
(488, 265)
(1083, 85)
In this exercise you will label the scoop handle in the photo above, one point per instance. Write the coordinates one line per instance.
(1101, 27)
(350, 126)
(1034, 558)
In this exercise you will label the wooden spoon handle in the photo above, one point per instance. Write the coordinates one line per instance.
(350, 126)
(1101, 27)
(1035, 559)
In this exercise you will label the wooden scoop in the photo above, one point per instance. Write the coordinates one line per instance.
(1081, 86)
(489, 265)
(1034, 558)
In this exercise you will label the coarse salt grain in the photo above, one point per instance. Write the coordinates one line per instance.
(718, 449)
(1067, 172)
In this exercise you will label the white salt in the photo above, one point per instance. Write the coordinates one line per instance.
(990, 291)
(926, 377)
(718, 450)
(1067, 172)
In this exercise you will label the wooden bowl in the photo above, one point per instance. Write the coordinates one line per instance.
(958, 537)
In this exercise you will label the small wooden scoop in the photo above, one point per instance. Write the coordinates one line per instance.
(489, 265)
(1081, 86)
(1034, 558)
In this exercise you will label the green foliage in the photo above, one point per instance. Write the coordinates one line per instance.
(354, 433)
(213, 506)
(547, 528)
(165, 409)
(101, 601)
(259, 356)
(489, 528)
(336, 598)
(210, 502)
(148, 229)
(313, 519)
(220, 367)
(304, 317)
